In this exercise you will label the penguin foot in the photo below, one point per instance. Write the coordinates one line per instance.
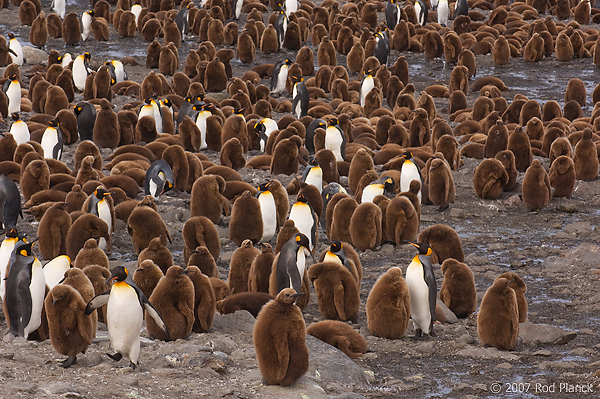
(443, 208)
(132, 365)
(68, 362)
(116, 357)
(418, 333)
(432, 333)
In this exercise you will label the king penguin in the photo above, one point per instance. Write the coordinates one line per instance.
(382, 46)
(268, 210)
(81, 70)
(313, 174)
(86, 119)
(281, 24)
(202, 113)
(410, 171)
(181, 20)
(19, 129)
(59, 7)
(52, 141)
(54, 271)
(12, 89)
(125, 315)
(443, 12)
(6, 248)
(328, 192)
(101, 207)
(25, 290)
(10, 203)
(86, 24)
(159, 179)
(335, 139)
(291, 264)
(305, 219)
(421, 10)
(316, 123)
(423, 290)
(65, 60)
(279, 76)
(291, 6)
(236, 6)
(264, 128)
(186, 108)
(16, 50)
(380, 186)
(158, 117)
(136, 9)
(393, 13)
(117, 71)
(462, 8)
(300, 98)
(367, 84)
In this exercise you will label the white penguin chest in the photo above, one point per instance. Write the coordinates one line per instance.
(419, 295)
(370, 192)
(300, 263)
(333, 142)
(54, 271)
(269, 215)
(409, 173)
(303, 220)
(37, 287)
(201, 123)
(281, 79)
(49, 142)
(238, 8)
(367, 86)
(5, 251)
(13, 93)
(315, 177)
(105, 214)
(20, 132)
(79, 73)
(15, 46)
(124, 316)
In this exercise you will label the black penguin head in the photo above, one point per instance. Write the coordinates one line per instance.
(189, 99)
(335, 246)
(10, 36)
(313, 162)
(209, 107)
(12, 233)
(200, 97)
(301, 240)
(167, 102)
(13, 77)
(389, 184)
(91, 12)
(23, 248)
(302, 198)
(15, 116)
(119, 273)
(288, 62)
(424, 249)
(148, 100)
(53, 123)
(239, 111)
(264, 186)
(296, 79)
(260, 127)
(407, 155)
(332, 121)
(87, 56)
(101, 193)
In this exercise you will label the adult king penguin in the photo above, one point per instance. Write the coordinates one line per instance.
(462, 8)
(367, 84)
(14, 47)
(125, 315)
(317, 123)
(52, 141)
(99, 206)
(81, 69)
(279, 77)
(291, 6)
(291, 264)
(86, 24)
(59, 7)
(236, 6)
(443, 12)
(200, 114)
(281, 24)
(159, 179)
(300, 98)
(12, 89)
(264, 128)
(393, 13)
(181, 20)
(19, 129)
(25, 290)
(313, 174)
(410, 171)
(86, 119)
(268, 211)
(335, 139)
(305, 219)
(382, 46)
(421, 10)
(117, 71)
(380, 186)
(10, 203)
(6, 248)
(423, 290)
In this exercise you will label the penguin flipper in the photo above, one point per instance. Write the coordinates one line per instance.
(156, 316)
(97, 301)
(430, 280)
(338, 300)
(283, 356)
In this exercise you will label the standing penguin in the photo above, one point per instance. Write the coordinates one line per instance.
(159, 179)
(200, 114)
(462, 8)
(388, 305)
(117, 71)
(54, 271)
(86, 119)
(268, 210)
(81, 70)
(10, 203)
(410, 171)
(264, 128)
(289, 268)
(279, 340)
(422, 11)
(52, 141)
(305, 219)
(101, 205)
(443, 12)
(14, 47)
(181, 19)
(393, 14)
(300, 97)
(279, 76)
(12, 90)
(6, 248)
(86, 24)
(281, 24)
(59, 7)
(380, 186)
(367, 84)
(125, 314)
(313, 174)
(335, 139)
(236, 6)
(382, 47)
(498, 318)
(19, 129)
(423, 290)
(25, 290)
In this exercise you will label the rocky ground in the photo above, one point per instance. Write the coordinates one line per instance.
(556, 251)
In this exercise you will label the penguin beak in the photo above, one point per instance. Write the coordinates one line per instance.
(34, 240)
(110, 279)
(414, 245)
(297, 294)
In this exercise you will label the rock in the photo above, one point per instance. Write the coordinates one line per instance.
(242, 320)
(58, 388)
(504, 366)
(513, 200)
(34, 55)
(458, 213)
(450, 316)
(542, 352)
(426, 348)
(554, 264)
(558, 365)
(568, 208)
(487, 353)
(581, 351)
(541, 334)
(466, 338)
(578, 228)
(328, 363)
(304, 387)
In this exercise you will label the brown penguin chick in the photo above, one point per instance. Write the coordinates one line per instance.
(173, 298)
(167, 61)
(260, 269)
(572, 110)
(99, 28)
(458, 288)
(279, 340)
(77, 279)
(360, 164)
(35, 178)
(489, 179)
(200, 231)
(448, 146)
(146, 276)
(52, 231)
(239, 268)
(90, 254)
(269, 42)
(388, 305)
(87, 172)
(98, 275)
(232, 154)
(343, 208)
(106, 128)
(207, 199)
(177, 160)
(458, 101)
(534, 49)
(562, 176)
(143, 225)
(38, 35)
(518, 143)
(306, 60)
(71, 30)
(341, 336)
(536, 191)
(564, 47)
(507, 158)
(585, 157)
(101, 86)
(433, 45)
(518, 285)
(220, 288)
(560, 146)
(215, 77)
(202, 258)
(444, 242)
(145, 129)
(498, 318)
(71, 330)
(171, 33)
(497, 139)
(326, 160)
(326, 54)
(501, 51)
(285, 156)
(337, 290)
(401, 220)
(441, 184)
(582, 12)
(204, 299)
(85, 227)
(365, 226)
(420, 130)
(158, 253)
(252, 302)
(246, 49)
(153, 54)
(452, 47)
(575, 91)
(27, 12)
(246, 221)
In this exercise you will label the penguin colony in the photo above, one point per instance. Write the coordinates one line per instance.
(396, 150)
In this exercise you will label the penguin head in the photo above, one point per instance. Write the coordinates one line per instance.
(296, 79)
(264, 186)
(260, 127)
(13, 78)
(288, 296)
(23, 248)
(209, 107)
(389, 184)
(101, 193)
(332, 121)
(313, 162)
(12, 233)
(189, 5)
(148, 100)
(189, 99)
(10, 36)
(302, 198)
(407, 155)
(288, 62)
(90, 12)
(424, 249)
(200, 97)
(87, 56)
(15, 116)
(119, 273)
(167, 102)
(335, 246)
(53, 123)
(301, 240)
(239, 111)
